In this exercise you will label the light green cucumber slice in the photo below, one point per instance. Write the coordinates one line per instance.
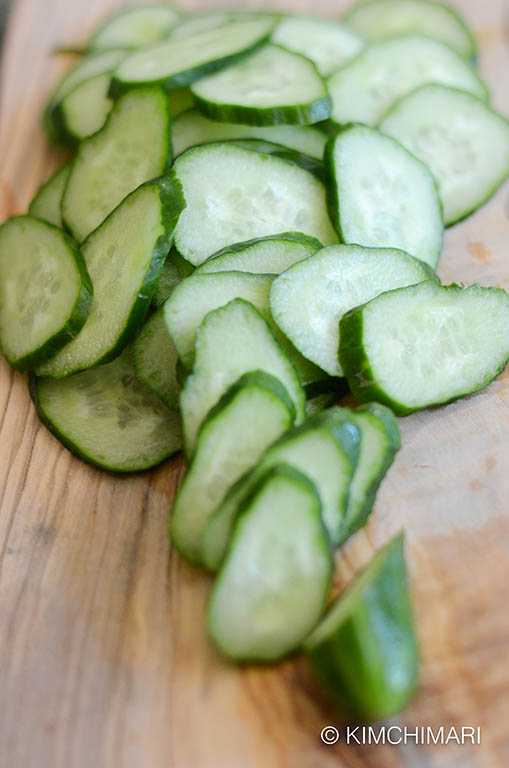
(212, 19)
(274, 581)
(46, 202)
(262, 255)
(84, 110)
(155, 360)
(174, 269)
(136, 27)
(253, 413)
(425, 345)
(381, 196)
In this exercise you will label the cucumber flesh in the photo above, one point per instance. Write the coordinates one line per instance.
(231, 341)
(155, 360)
(109, 418)
(270, 87)
(236, 194)
(368, 86)
(274, 581)
(85, 109)
(174, 269)
(309, 299)
(253, 413)
(45, 291)
(425, 345)
(381, 196)
(315, 167)
(133, 146)
(463, 141)
(136, 27)
(263, 255)
(90, 66)
(46, 202)
(364, 652)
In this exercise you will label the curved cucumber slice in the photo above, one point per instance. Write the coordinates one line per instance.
(174, 269)
(253, 413)
(273, 584)
(124, 257)
(367, 87)
(191, 129)
(263, 255)
(45, 291)
(155, 360)
(364, 651)
(463, 141)
(109, 418)
(231, 341)
(84, 110)
(269, 87)
(425, 345)
(236, 194)
(379, 19)
(329, 44)
(180, 62)
(133, 146)
(136, 27)
(381, 196)
(309, 299)
(46, 202)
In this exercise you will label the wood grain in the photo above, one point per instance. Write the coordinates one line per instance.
(103, 657)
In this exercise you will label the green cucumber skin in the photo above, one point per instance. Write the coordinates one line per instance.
(56, 127)
(300, 114)
(307, 162)
(138, 363)
(64, 170)
(292, 237)
(76, 319)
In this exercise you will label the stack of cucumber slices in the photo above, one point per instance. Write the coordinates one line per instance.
(248, 228)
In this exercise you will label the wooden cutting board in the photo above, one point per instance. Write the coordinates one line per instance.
(103, 657)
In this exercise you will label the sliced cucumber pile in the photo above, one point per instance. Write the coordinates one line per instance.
(136, 27)
(263, 255)
(84, 110)
(46, 202)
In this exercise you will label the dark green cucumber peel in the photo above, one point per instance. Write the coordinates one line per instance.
(174, 269)
(292, 156)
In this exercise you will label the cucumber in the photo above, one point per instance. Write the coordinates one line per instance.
(133, 146)
(253, 413)
(236, 194)
(46, 202)
(231, 341)
(124, 257)
(381, 196)
(464, 142)
(212, 19)
(309, 299)
(180, 100)
(155, 360)
(275, 578)
(45, 291)
(272, 86)
(425, 345)
(326, 447)
(310, 164)
(136, 27)
(84, 110)
(384, 72)
(180, 62)
(191, 129)
(364, 652)
(108, 418)
(262, 255)
(174, 269)
(329, 44)
(380, 19)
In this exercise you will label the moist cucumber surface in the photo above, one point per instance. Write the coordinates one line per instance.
(155, 360)
(84, 110)
(46, 202)
(263, 255)
(136, 27)
(174, 269)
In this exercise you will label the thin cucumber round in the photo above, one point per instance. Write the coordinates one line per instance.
(108, 418)
(253, 413)
(174, 269)
(425, 345)
(381, 196)
(263, 255)
(46, 202)
(364, 652)
(272, 86)
(275, 578)
(464, 142)
(84, 110)
(45, 291)
(309, 299)
(136, 27)
(155, 360)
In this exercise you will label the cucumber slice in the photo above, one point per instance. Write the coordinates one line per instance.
(326, 448)
(180, 62)
(263, 255)
(155, 360)
(315, 167)
(309, 299)
(364, 652)
(136, 27)
(270, 87)
(124, 257)
(45, 291)
(191, 129)
(425, 345)
(380, 19)
(212, 19)
(174, 269)
(381, 196)
(180, 100)
(275, 579)
(253, 413)
(231, 341)
(329, 44)
(133, 146)
(366, 88)
(463, 141)
(108, 418)
(46, 202)
(84, 110)
(236, 194)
